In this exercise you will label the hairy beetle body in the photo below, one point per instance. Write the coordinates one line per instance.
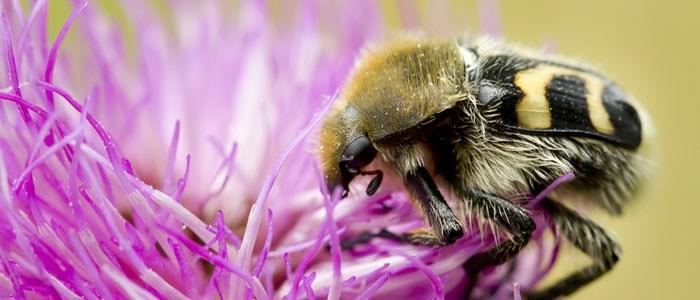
(498, 123)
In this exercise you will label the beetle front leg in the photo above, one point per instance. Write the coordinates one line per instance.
(445, 229)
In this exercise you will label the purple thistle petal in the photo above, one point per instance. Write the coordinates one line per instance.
(223, 233)
(182, 214)
(12, 273)
(182, 182)
(553, 255)
(61, 290)
(110, 256)
(550, 188)
(372, 288)
(82, 252)
(287, 266)
(84, 220)
(336, 259)
(185, 271)
(301, 246)
(251, 282)
(51, 61)
(24, 104)
(12, 66)
(170, 161)
(37, 162)
(266, 248)
(307, 281)
(37, 8)
(254, 218)
(43, 133)
(378, 272)
(306, 262)
(227, 167)
(334, 292)
(101, 132)
(269, 282)
(128, 287)
(218, 289)
(432, 277)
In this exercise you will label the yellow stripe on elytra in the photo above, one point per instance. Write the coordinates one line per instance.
(533, 109)
(596, 111)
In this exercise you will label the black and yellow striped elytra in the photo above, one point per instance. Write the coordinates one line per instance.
(549, 98)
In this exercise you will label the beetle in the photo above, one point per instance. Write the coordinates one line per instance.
(492, 121)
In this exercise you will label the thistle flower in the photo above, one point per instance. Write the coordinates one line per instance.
(171, 158)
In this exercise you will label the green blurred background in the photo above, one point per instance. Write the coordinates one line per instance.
(651, 48)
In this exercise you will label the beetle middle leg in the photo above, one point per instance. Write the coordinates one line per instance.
(506, 215)
(587, 236)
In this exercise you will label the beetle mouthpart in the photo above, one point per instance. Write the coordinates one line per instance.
(373, 185)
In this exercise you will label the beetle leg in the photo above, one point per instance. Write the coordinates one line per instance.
(506, 215)
(445, 228)
(587, 236)
(366, 236)
(422, 237)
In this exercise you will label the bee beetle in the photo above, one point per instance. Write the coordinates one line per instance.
(495, 121)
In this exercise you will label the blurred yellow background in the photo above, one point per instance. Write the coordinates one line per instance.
(651, 48)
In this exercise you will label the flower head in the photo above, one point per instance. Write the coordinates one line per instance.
(172, 158)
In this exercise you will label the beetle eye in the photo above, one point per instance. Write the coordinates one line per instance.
(358, 153)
